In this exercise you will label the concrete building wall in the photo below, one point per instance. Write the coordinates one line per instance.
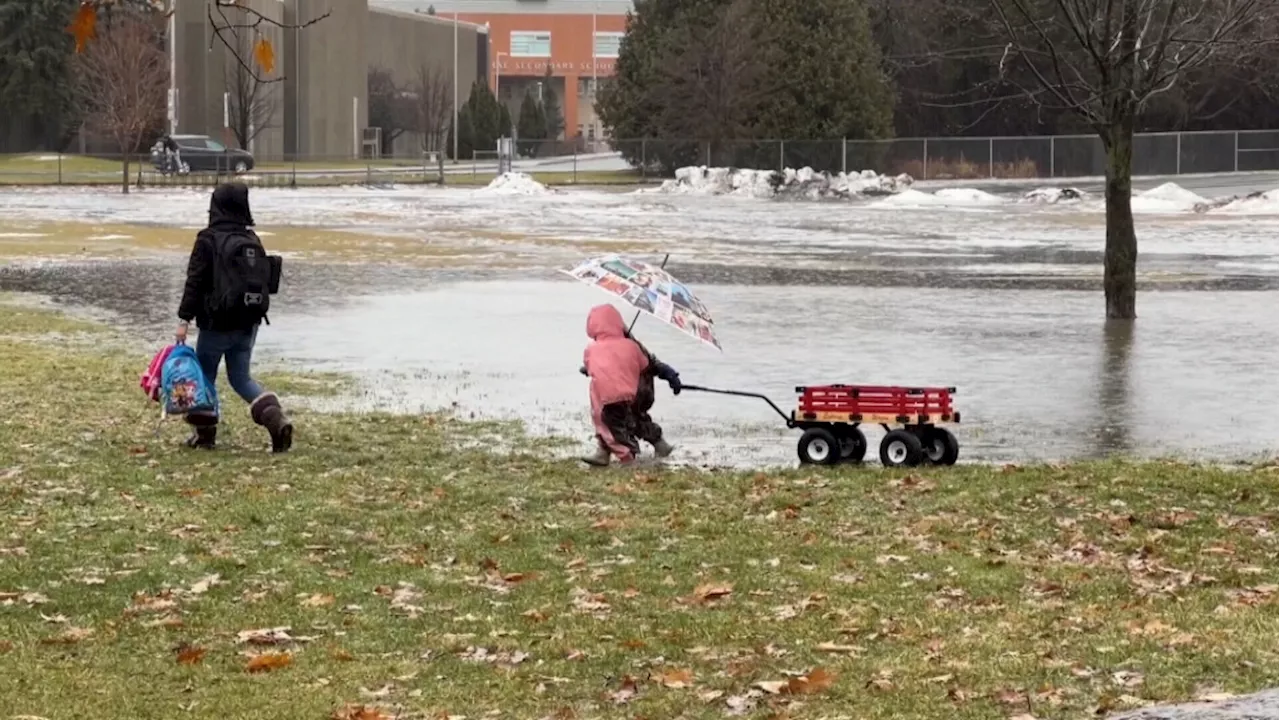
(409, 45)
(329, 64)
(316, 99)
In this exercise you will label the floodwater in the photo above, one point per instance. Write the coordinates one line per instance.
(1005, 306)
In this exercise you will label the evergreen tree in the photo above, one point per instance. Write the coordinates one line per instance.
(531, 128)
(36, 92)
(551, 108)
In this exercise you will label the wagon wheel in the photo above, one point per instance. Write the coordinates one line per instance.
(853, 443)
(940, 446)
(818, 446)
(900, 448)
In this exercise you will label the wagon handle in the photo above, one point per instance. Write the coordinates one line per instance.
(740, 393)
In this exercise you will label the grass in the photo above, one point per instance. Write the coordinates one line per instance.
(426, 568)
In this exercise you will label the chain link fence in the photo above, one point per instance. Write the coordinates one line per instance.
(651, 160)
(1061, 156)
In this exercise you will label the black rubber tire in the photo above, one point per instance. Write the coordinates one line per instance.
(940, 446)
(901, 448)
(818, 447)
(853, 443)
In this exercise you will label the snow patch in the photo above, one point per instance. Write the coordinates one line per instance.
(22, 235)
(946, 197)
(1166, 198)
(515, 183)
(109, 237)
(1256, 203)
(805, 183)
(1054, 195)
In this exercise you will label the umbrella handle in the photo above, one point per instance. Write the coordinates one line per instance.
(637, 317)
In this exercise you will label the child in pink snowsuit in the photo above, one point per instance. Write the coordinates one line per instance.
(614, 363)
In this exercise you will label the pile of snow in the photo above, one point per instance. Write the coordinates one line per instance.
(1256, 203)
(1168, 197)
(1054, 195)
(515, 183)
(946, 197)
(805, 183)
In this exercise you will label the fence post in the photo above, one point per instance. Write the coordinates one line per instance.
(293, 173)
(991, 157)
(1177, 167)
(844, 156)
(925, 163)
(575, 165)
(1051, 154)
(644, 159)
(782, 156)
(1235, 156)
(708, 154)
(60, 159)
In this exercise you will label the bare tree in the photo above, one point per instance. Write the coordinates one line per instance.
(122, 79)
(252, 106)
(1105, 60)
(432, 95)
(390, 107)
(232, 22)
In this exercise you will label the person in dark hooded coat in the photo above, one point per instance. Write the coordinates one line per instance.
(226, 336)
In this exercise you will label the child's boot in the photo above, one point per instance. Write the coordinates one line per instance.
(600, 458)
(662, 448)
(266, 411)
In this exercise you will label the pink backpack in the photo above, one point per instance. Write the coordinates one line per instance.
(150, 380)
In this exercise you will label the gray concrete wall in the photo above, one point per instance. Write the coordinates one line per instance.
(329, 66)
(405, 42)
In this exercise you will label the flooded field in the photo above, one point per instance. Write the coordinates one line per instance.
(440, 298)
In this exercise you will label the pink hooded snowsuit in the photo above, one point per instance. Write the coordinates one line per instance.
(614, 363)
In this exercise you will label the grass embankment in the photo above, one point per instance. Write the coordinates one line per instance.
(389, 567)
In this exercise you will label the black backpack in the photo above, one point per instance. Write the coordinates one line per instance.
(244, 279)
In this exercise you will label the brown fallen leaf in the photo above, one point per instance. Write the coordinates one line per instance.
(626, 692)
(189, 654)
(202, 585)
(831, 647)
(69, 636)
(265, 636)
(317, 600)
(710, 592)
(535, 615)
(606, 524)
(167, 621)
(675, 678)
(268, 661)
(341, 654)
(816, 681)
(357, 712)
(516, 577)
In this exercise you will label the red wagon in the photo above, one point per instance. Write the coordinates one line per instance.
(832, 416)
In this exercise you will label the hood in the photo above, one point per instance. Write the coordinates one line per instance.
(604, 321)
(230, 204)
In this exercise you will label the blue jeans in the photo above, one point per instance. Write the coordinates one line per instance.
(237, 347)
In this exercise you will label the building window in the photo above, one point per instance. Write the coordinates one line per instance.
(531, 44)
(586, 86)
(607, 44)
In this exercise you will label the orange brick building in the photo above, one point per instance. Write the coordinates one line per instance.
(577, 39)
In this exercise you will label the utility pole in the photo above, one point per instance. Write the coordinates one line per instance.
(455, 86)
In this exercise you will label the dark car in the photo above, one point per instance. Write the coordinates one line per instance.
(201, 153)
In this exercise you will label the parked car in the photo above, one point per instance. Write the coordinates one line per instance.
(198, 153)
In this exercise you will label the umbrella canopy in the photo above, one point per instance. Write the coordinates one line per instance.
(652, 290)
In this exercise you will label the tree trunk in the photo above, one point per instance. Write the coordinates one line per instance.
(124, 173)
(1120, 276)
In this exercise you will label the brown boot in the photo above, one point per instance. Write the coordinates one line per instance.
(266, 411)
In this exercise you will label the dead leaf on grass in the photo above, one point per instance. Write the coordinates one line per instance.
(830, 647)
(625, 692)
(710, 592)
(202, 585)
(189, 654)
(267, 662)
(69, 636)
(675, 678)
(816, 681)
(341, 654)
(357, 712)
(317, 600)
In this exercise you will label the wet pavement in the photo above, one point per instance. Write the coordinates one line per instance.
(803, 293)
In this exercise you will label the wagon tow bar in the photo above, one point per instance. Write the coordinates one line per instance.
(791, 423)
